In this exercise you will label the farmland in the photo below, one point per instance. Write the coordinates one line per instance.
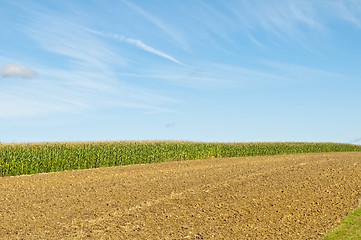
(31, 158)
(229, 190)
(296, 196)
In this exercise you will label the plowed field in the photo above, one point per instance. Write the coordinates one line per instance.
(273, 197)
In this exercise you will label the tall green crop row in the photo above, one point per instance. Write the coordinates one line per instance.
(17, 159)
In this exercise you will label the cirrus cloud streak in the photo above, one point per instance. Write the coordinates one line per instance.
(137, 43)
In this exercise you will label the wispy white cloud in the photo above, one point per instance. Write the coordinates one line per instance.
(67, 39)
(349, 11)
(137, 43)
(36, 98)
(288, 21)
(16, 70)
(298, 73)
(148, 48)
(161, 25)
(210, 75)
(213, 75)
(75, 92)
(293, 21)
(83, 78)
(227, 25)
(17, 106)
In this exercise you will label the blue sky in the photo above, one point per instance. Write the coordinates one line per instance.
(229, 71)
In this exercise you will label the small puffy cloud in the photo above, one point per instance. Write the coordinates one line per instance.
(16, 70)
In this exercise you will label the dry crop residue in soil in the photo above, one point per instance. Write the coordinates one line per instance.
(272, 197)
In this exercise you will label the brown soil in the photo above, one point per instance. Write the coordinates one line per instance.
(272, 197)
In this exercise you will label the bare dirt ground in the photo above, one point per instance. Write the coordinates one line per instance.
(273, 197)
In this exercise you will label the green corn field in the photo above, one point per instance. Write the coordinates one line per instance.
(31, 158)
